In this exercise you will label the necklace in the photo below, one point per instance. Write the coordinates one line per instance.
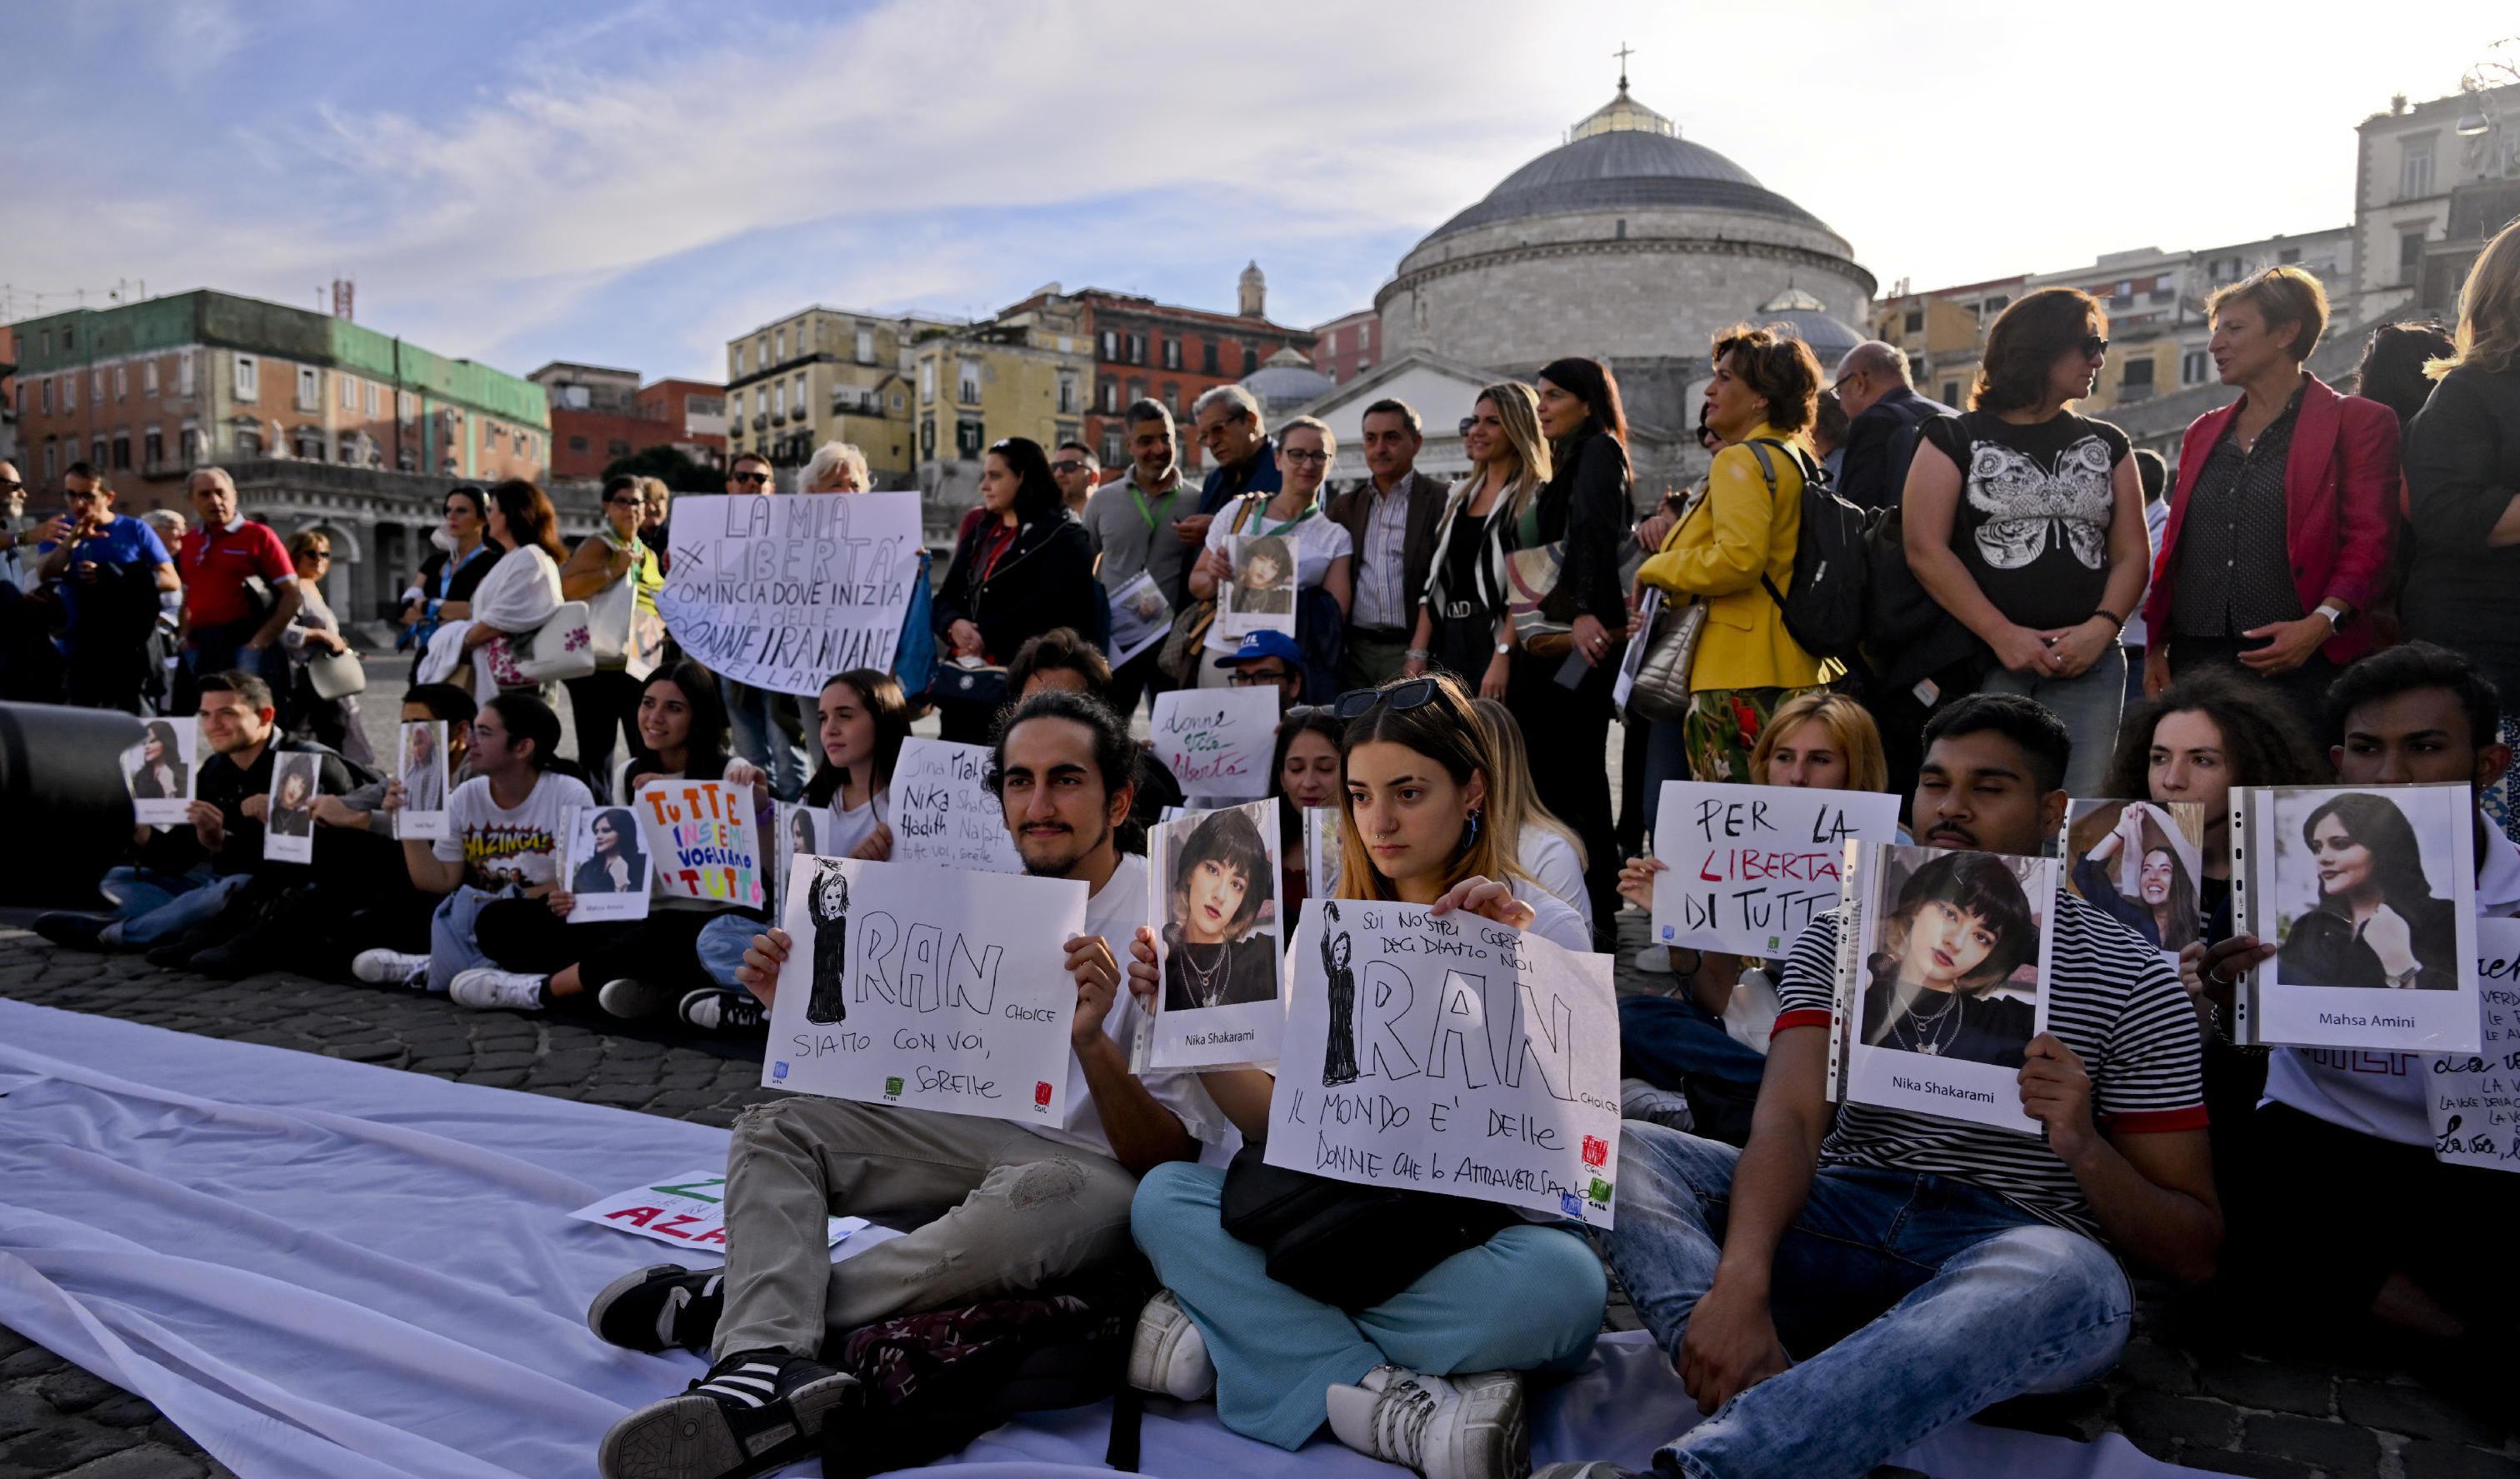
(1203, 983)
(1924, 1033)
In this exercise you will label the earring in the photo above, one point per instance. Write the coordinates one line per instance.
(1474, 829)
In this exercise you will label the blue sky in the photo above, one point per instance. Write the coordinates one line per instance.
(635, 183)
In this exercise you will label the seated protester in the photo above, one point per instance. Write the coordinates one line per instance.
(1911, 1269)
(635, 968)
(504, 830)
(171, 913)
(1303, 773)
(1061, 660)
(378, 906)
(2202, 736)
(1267, 659)
(861, 717)
(1547, 848)
(1707, 1039)
(1430, 1378)
(1061, 767)
(2343, 1118)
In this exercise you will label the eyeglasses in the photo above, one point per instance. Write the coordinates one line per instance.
(12, 485)
(1299, 455)
(1069, 466)
(624, 503)
(1255, 678)
(751, 479)
(2094, 345)
(1409, 694)
(1468, 422)
(1838, 385)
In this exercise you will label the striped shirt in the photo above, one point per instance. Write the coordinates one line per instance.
(2112, 997)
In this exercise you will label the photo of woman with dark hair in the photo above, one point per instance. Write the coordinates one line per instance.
(2144, 843)
(1264, 578)
(1220, 879)
(829, 903)
(1961, 926)
(292, 797)
(801, 841)
(162, 773)
(616, 863)
(2377, 922)
(1338, 1055)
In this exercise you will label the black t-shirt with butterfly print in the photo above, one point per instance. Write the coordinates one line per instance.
(2033, 521)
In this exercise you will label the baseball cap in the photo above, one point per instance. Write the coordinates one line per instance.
(1264, 643)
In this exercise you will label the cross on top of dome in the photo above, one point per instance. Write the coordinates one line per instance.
(1623, 113)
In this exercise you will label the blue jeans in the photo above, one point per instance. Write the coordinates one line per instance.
(137, 929)
(1910, 1301)
(138, 890)
(1528, 1298)
(453, 948)
(1668, 1039)
(753, 713)
(218, 649)
(722, 943)
(2089, 705)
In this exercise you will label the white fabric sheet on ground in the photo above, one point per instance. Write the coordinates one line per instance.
(325, 1268)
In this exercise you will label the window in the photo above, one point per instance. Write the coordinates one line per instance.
(798, 396)
(2138, 372)
(406, 460)
(1111, 393)
(69, 391)
(368, 398)
(1951, 392)
(153, 447)
(95, 453)
(967, 382)
(780, 341)
(778, 399)
(927, 436)
(1066, 393)
(1136, 390)
(2193, 366)
(1364, 365)
(122, 450)
(896, 402)
(1915, 323)
(742, 357)
(1136, 348)
(2410, 256)
(577, 444)
(616, 448)
(866, 345)
(52, 460)
(1172, 399)
(2123, 292)
(121, 382)
(926, 381)
(48, 349)
(310, 387)
(149, 377)
(1996, 304)
(738, 401)
(1110, 447)
(1365, 335)
(968, 440)
(1207, 357)
(2287, 258)
(762, 347)
(184, 371)
(2415, 166)
(70, 338)
(48, 394)
(348, 452)
(1172, 352)
(1111, 345)
(96, 387)
(350, 391)
(1250, 359)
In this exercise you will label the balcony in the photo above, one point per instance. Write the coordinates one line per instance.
(760, 420)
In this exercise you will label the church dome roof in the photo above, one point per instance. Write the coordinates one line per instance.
(1828, 338)
(1286, 381)
(1625, 155)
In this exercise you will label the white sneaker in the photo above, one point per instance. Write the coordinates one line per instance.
(392, 967)
(1168, 1356)
(485, 989)
(714, 1010)
(1655, 959)
(632, 1000)
(1640, 1101)
(1469, 1426)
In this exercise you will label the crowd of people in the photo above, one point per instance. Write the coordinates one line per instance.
(2328, 586)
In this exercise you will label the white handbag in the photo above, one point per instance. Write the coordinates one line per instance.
(609, 619)
(560, 649)
(336, 675)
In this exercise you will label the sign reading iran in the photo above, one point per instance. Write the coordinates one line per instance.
(1450, 1055)
(1748, 866)
(928, 987)
(688, 1210)
(783, 591)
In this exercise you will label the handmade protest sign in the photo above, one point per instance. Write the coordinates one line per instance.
(604, 865)
(421, 764)
(935, 988)
(160, 771)
(2474, 1097)
(705, 844)
(687, 1210)
(1140, 617)
(1261, 596)
(1212, 877)
(783, 592)
(2368, 895)
(943, 810)
(1943, 963)
(2143, 863)
(1217, 742)
(1750, 864)
(289, 826)
(1450, 1054)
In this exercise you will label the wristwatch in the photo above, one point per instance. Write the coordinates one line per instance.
(1504, 648)
(2335, 617)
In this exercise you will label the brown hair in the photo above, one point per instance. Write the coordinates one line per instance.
(1445, 729)
(2281, 296)
(1776, 366)
(2261, 741)
(2025, 342)
(307, 542)
(1850, 728)
(531, 519)
(2489, 310)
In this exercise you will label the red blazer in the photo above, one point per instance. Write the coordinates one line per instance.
(2340, 509)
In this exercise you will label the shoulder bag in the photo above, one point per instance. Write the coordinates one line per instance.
(1660, 693)
(1347, 1245)
(560, 649)
(1187, 638)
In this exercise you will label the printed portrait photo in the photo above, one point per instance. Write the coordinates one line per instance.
(424, 766)
(1264, 576)
(1953, 970)
(292, 796)
(156, 769)
(2364, 887)
(610, 857)
(1220, 881)
(2141, 864)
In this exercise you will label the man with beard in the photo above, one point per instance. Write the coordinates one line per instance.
(1021, 1207)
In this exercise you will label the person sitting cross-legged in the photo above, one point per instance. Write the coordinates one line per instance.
(1021, 1206)
(1832, 1295)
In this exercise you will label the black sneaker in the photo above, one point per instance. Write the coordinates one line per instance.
(712, 1009)
(755, 1411)
(660, 1308)
(78, 932)
(177, 952)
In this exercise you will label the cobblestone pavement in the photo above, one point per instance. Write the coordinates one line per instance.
(2192, 1402)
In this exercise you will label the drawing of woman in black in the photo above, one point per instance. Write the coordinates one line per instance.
(1338, 1059)
(829, 903)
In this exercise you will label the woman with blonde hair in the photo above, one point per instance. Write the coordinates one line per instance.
(837, 468)
(2462, 462)
(1841, 750)
(1544, 847)
(1463, 628)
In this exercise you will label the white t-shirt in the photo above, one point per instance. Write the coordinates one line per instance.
(2382, 1093)
(1316, 538)
(519, 844)
(1114, 912)
(843, 831)
(1549, 859)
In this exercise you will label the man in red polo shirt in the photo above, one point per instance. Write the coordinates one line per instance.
(225, 624)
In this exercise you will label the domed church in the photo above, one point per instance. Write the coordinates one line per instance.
(1628, 243)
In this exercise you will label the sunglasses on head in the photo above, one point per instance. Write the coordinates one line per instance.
(1409, 694)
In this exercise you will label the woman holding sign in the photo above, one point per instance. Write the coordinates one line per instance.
(1428, 1375)
(1024, 566)
(1293, 515)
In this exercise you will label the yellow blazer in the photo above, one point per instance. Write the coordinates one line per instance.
(1736, 534)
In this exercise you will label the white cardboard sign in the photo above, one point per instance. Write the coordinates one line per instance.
(2474, 1099)
(606, 866)
(1220, 961)
(782, 591)
(1450, 1054)
(289, 825)
(687, 1210)
(943, 810)
(420, 758)
(924, 987)
(1750, 864)
(162, 772)
(1217, 742)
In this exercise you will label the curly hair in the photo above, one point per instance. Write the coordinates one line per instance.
(2025, 342)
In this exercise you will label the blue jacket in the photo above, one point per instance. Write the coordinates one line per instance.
(1221, 488)
(1872, 470)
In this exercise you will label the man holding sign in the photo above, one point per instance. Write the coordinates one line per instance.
(1023, 1206)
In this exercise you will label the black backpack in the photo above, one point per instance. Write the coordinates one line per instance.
(1825, 611)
